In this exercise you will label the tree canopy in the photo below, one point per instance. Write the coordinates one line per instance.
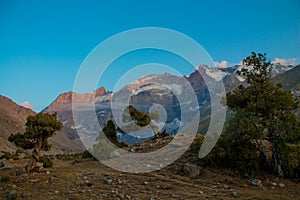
(38, 129)
(262, 111)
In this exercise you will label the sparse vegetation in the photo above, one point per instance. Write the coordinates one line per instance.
(4, 178)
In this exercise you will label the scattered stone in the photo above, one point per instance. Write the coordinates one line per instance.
(108, 181)
(191, 170)
(145, 183)
(56, 192)
(234, 194)
(214, 194)
(19, 171)
(281, 185)
(226, 186)
(89, 184)
(200, 192)
(12, 195)
(105, 195)
(34, 180)
(256, 182)
(274, 184)
(121, 196)
(24, 194)
(264, 188)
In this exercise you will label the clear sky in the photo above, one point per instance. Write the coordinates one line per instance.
(43, 43)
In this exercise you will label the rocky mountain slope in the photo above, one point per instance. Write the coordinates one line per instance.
(159, 91)
(12, 120)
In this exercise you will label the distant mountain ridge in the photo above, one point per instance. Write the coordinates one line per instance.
(12, 120)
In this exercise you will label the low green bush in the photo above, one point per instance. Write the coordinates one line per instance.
(47, 162)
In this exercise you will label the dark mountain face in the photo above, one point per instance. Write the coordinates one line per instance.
(12, 120)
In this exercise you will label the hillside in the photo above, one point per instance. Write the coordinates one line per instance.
(12, 120)
(290, 79)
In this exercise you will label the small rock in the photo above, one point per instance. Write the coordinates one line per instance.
(281, 185)
(234, 194)
(274, 184)
(264, 188)
(108, 181)
(105, 195)
(56, 192)
(121, 196)
(191, 170)
(200, 192)
(214, 194)
(12, 195)
(145, 183)
(225, 186)
(24, 194)
(256, 182)
(89, 184)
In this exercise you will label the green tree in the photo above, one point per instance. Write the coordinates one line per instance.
(38, 129)
(262, 111)
(110, 131)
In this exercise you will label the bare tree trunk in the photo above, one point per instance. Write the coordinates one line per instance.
(34, 164)
(276, 161)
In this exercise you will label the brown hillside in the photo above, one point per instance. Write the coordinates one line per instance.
(12, 120)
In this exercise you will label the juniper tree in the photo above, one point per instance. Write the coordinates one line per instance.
(263, 111)
(38, 129)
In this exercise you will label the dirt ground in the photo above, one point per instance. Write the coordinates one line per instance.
(89, 179)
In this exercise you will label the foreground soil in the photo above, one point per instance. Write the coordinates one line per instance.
(89, 179)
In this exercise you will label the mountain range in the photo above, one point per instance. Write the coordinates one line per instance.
(154, 91)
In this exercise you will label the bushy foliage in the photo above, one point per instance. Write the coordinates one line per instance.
(9, 156)
(38, 129)
(87, 154)
(261, 111)
(47, 162)
(4, 178)
(140, 118)
(110, 132)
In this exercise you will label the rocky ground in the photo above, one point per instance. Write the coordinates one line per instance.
(89, 179)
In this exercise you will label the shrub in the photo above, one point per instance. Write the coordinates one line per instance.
(196, 144)
(87, 154)
(9, 156)
(47, 162)
(4, 178)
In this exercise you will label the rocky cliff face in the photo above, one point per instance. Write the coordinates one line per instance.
(12, 120)
(67, 139)
(64, 101)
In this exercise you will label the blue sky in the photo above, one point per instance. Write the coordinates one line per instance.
(43, 43)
